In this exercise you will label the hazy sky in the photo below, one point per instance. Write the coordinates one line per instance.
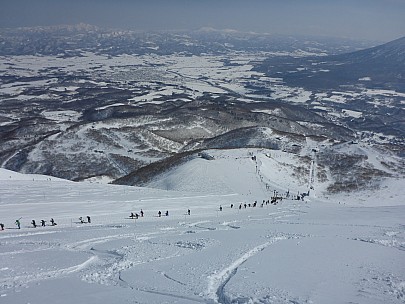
(367, 19)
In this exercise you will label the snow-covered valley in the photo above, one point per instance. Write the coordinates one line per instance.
(341, 249)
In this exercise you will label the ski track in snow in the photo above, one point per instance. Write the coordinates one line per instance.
(21, 280)
(27, 234)
(104, 265)
(108, 272)
(81, 245)
(218, 281)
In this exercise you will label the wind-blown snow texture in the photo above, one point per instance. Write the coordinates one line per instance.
(309, 251)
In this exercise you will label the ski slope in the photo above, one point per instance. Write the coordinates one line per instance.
(312, 251)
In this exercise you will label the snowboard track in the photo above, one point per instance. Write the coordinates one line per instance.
(218, 281)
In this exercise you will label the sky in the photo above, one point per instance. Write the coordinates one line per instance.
(381, 20)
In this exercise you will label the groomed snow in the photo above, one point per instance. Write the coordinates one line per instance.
(346, 250)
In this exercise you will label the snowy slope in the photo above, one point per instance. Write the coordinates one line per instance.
(313, 251)
(242, 171)
(251, 172)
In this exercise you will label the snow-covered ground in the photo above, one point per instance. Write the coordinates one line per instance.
(313, 251)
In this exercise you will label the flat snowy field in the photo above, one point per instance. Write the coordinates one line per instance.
(313, 251)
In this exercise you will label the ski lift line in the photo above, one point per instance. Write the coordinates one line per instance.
(311, 177)
(117, 165)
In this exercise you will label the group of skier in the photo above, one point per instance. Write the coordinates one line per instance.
(273, 201)
(136, 215)
(159, 214)
(33, 223)
(82, 220)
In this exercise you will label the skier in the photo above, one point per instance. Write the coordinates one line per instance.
(132, 215)
(240, 206)
(34, 224)
(220, 208)
(141, 213)
(231, 206)
(167, 212)
(81, 220)
(17, 222)
(43, 223)
(52, 222)
(88, 219)
(1, 226)
(188, 211)
(159, 213)
(136, 216)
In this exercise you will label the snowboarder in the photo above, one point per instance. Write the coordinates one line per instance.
(1, 226)
(88, 219)
(43, 223)
(52, 222)
(34, 224)
(167, 212)
(17, 222)
(159, 213)
(188, 211)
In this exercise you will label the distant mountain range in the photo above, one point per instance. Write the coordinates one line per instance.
(83, 103)
(379, 67)
(67, 40)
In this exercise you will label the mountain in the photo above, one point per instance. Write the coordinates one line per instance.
(391, 53)
(72, 40)
(368, 85)
(379, 67)
(84, 103)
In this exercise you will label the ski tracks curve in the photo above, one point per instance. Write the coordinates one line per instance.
(218, 280)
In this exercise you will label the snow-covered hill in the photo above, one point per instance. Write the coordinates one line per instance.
(316, 250)
(322, 171)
